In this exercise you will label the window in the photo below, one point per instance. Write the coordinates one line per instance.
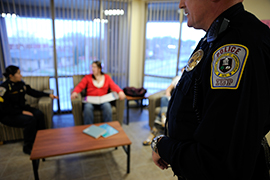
(162, 34)
(164, 59)
(85, 31)
(30, 45)
(160, 54)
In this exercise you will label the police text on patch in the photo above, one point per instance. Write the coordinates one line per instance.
(227, 66)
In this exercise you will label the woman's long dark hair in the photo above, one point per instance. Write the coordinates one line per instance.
(10, 70)
(98, 63)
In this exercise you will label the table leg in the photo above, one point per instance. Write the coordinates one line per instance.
(128, 159)
(141, 105)
(127, 150)
(35, 164)
(127, 112)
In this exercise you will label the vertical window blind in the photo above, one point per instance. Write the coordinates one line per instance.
(161, 42)
(61, 38)
(168, 44)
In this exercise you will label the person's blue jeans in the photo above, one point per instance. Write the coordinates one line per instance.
(88, 112)
(164, 102)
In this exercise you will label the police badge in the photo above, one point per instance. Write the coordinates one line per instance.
(194, 60)
(228, 65)
(2, 91)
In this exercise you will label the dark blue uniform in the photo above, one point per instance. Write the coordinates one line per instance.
(12, 103)
(220, 110)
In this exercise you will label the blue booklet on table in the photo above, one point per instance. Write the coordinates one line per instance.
(94, 131)
(109, 130)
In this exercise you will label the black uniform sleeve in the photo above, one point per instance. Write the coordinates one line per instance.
(35, 93)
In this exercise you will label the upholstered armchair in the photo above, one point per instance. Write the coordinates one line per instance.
(118, 106)
(154, 106)
(45, 104)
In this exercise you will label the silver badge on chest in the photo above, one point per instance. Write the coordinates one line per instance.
(194, 60)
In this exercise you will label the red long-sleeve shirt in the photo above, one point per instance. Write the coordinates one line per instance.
(87, 82)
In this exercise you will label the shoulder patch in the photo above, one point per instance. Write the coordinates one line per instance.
(227, 66)
(2, 91)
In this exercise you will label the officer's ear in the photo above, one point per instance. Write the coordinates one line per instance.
(10, 76)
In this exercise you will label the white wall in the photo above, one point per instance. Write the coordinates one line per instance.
(137, 43)
(260, 8)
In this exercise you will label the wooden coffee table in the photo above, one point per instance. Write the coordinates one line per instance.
(69, 140)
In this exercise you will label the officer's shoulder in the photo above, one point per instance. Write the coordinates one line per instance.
(4, 84)
(248, 26)
(3, 88)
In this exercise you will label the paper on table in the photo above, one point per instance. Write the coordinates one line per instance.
(101, 99)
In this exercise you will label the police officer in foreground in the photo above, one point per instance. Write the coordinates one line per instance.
(14, 111)
(220, 111)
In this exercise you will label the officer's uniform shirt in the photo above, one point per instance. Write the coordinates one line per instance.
(12, 97)
(220, 110)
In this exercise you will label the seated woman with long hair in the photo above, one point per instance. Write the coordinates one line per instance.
(97, 84)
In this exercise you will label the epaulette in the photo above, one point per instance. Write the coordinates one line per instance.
(6, 85)
(219, 26)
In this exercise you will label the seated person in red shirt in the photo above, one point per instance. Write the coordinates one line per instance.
(97, 84)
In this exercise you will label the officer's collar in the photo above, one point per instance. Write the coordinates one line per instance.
(11, 82)
(221, 23)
